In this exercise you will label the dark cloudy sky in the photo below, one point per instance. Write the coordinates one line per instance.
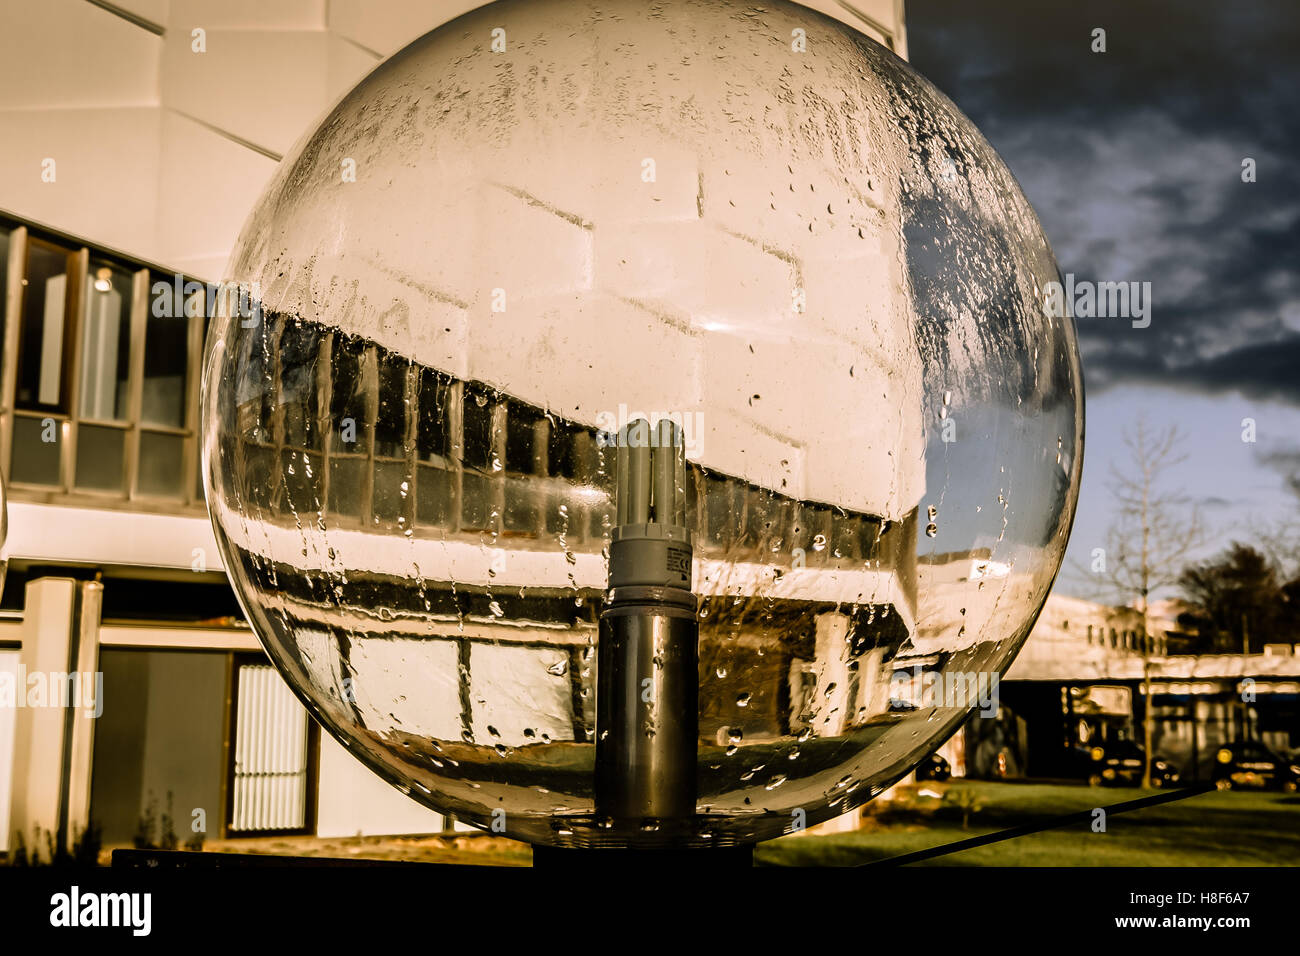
(1133, 160)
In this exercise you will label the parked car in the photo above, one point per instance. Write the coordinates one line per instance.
(1119, 763)
(1249, 764)
(934, 768)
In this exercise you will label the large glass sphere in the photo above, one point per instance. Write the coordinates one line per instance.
(549, 217)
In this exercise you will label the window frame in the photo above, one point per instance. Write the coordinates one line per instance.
(68, 417)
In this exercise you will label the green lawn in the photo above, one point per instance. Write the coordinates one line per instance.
(1212, 829)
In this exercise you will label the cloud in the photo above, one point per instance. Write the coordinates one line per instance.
(1132, 159)
(1286, 461)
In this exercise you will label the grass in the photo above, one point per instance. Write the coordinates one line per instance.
(1212, 829)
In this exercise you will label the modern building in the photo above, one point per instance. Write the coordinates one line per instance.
(136, 137)
(1081, 674)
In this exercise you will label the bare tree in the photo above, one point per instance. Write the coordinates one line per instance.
(1279, 539)
(1154, 531)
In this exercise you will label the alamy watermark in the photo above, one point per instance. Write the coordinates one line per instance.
(53, 689)
(690, 425)
(180, 299)
(78, 908)
(922, 688)
(1102, 300)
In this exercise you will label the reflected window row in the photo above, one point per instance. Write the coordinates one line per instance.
(344, 428)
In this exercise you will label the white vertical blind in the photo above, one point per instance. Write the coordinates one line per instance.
(270, 790)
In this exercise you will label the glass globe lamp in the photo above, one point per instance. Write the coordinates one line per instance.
(547, 227)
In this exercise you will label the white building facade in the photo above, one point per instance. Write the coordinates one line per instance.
(136, 137)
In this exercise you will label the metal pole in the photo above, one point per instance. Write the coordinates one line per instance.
(647, 667)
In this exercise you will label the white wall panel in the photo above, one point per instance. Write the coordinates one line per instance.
(105, 167)
(266, 87)
(85, 535)
(154, 11)
(246, 15)
(207, 186)
(67, 53)
(347, 64)
(386, 26)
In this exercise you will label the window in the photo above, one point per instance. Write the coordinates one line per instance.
(719, 507)
(436, 477)
(479, 508)
(392, 474)
(348, 419)
(300, 386)
(577, 503)
(166, 441)
(103, 385)
(161, 473)
(101, 458)
(166, 358)
(37, 444)
(477, 439)
(567, 455)
(526, 498)
(45, 350)
(433, 421)
(105, 375)
(44, 338)
(845, 536)
(391, 404)
(105, 343)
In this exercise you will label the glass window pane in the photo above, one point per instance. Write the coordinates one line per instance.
(105, 342)
(568, 522)
(391, 491)
(38, 445)
(600, 521)
(299, 357)
(571, 452)
(523, 441)
(869, 534)
(302, 482)
(261, 477)
(345, 486)
(765, 519)
(253, 405)
(390, 418)
(477, 413)
(433, 496)
(720, 510)
(166, 357)
(523, 504)
(478, 501)
(162, 460)
(431, 439)
(43, 327)
(844, 541)
(348, 394)
(101, 454)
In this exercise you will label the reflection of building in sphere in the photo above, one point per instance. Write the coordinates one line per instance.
(663, 212)
(481, 486)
